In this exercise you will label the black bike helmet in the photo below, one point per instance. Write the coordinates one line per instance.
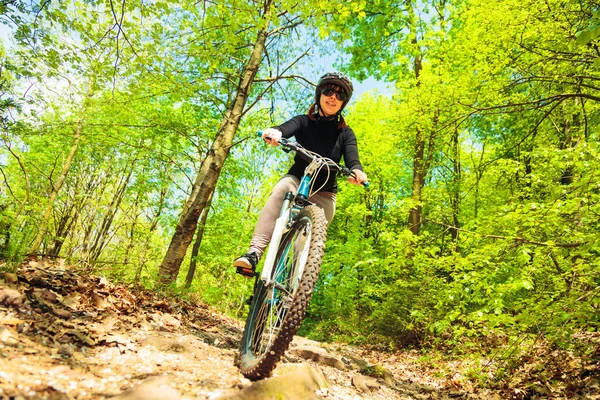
(336, 78)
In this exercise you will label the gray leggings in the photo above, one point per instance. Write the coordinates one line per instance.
(270, 212)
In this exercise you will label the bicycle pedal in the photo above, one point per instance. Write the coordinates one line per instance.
(248, 273)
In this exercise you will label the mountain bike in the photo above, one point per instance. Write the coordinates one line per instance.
(285, 285)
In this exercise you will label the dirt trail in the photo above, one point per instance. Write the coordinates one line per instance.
(68, 336)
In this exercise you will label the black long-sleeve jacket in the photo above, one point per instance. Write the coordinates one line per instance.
(323, 137)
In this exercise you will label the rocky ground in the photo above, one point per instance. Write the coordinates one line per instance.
(64, 335)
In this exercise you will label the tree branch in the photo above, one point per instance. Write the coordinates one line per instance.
(517, 239)
(274, 80)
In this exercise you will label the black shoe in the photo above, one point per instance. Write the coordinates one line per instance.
(246, 264)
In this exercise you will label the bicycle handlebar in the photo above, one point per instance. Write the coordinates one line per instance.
(292, 145)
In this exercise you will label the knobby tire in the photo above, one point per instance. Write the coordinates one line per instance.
(274, 317)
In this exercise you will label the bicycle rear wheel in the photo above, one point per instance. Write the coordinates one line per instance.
(277, 310)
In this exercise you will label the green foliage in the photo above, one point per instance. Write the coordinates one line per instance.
(509, 245)
(591, 32)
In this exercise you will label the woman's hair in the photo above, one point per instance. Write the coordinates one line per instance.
(313, 112)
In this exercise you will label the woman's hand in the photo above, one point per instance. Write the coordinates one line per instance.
(271, 136)
(359, 177)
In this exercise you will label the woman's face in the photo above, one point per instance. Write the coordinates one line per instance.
(330, 105)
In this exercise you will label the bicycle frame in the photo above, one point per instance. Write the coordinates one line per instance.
(289, 211)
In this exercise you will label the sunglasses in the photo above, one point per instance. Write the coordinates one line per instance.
(341, 96)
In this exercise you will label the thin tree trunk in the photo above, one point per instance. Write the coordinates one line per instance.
(102, 185)
(100, 240)
(65, 225)
(424, 142)
(455, 190)
(26, 177)
(210, 170)
(567, 141)
(197, 243)
(131, 242)
(153, 225)
(56, 188)
(421, 164)
(418, 181)
(479, 169)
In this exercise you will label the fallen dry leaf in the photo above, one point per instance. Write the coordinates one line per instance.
(11, 321)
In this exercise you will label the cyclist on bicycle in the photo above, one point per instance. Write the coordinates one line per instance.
(322, 130)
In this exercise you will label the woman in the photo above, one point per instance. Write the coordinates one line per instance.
(322, 130)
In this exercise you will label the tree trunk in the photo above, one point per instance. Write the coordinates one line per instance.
(421, 164)
(207, 177)
(153, 225)
(414, 214)
(25, 176)
(197, 243)
(134, 221)
(566, 142)
(455, 190)
(56, 188)
(65, 224)
(101, 236)
(101, 184)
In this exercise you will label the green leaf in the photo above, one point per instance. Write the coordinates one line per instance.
(584, 37)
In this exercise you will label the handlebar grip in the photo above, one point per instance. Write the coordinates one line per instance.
(350, 173)
(282, 141)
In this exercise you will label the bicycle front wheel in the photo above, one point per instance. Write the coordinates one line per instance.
(277, 310)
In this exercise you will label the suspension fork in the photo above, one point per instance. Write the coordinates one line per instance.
(287, 214)
(284, 221)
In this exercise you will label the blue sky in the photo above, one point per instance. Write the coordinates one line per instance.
(360, 88)
(372, 84)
